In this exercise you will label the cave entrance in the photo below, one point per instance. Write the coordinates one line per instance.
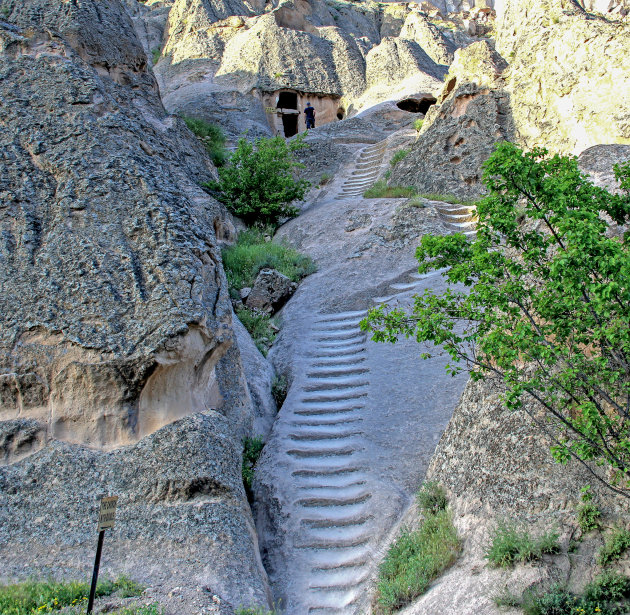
(417, 105)
(287, 100)
(290, 124)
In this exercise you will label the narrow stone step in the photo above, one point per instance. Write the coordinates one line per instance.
(353, 333)
(341, 578)
(328, 372)
(351, 492)
(333, 396)
(330, 502)
(352, 355)
(341, 422)
(340, 316)
(328, 412)
(323, 451)
(307, 542)
(313, 436)
(336, 599)
(361, 520)
(339, 344)
(333, 481)
(335, 383)
(328, 471)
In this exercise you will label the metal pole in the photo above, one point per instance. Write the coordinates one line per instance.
(97, 564)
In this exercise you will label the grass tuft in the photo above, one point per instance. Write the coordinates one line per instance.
(279, 389)
(511, 545)
(447, 198)
(418, 557)
(251, 253)
(252, 449)
(417, 124)
(212, 137)
(431, 498)
(615, 545)
(34, 597)
(260, 327)
(398, 156)
(381, 190)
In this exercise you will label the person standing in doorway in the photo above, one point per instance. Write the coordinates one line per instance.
(309, 112)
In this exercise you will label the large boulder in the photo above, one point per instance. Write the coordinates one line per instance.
(270, 292)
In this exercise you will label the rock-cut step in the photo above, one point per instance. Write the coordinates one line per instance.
(364, 173)
(324, 445)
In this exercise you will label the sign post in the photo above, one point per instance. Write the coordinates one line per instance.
(106, 518)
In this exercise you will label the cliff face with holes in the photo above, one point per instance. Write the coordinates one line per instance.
(225, 61)
(115, 324)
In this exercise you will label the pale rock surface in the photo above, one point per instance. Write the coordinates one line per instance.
(183, 526)
(430, 38)
(568, 80)
(447, 156)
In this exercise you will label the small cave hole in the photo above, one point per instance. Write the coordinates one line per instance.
(341, 113)
(287, 100)
(415, 105)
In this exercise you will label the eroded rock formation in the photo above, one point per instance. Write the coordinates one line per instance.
(115, 322)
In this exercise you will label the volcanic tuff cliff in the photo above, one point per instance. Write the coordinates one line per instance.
(115, 318)
(121, 366)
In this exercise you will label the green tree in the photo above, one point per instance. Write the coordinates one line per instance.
(540, 299)
(259, 182)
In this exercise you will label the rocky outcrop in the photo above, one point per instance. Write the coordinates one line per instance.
(495, 464)
(183, 526)
(221, 61)
(568, 78)
(447, 156)
(270, 292)
(115, 322)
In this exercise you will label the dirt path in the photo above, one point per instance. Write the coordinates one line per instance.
(352, 441)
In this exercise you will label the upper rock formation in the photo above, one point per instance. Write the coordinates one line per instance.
(224, 61)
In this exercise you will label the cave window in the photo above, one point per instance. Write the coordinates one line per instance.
(416, 106)
(287, 100)
(290, 124)
(341, 113)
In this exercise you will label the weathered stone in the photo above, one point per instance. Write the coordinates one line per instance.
(568, 79)
(115, 321)
(598, 162)
(182, 518)
(430, 38)
(270, 292)
(447, 156)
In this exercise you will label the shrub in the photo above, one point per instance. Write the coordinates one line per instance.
(414, 560)
(381, 190)
(212, 137)
(417, 124)
(258, 184)
(252, 449)
(511, 545)
(155, 55)
(251, 253)
(324, 179)
(279, 389)
(398, 156)
(431, 498)
(609, 586)
(605, 595)
(614, 546)
(588, 513)
(547, 302)
(34, 597)
(259, 326)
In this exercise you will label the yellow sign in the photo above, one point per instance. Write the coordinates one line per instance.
(107, 514)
